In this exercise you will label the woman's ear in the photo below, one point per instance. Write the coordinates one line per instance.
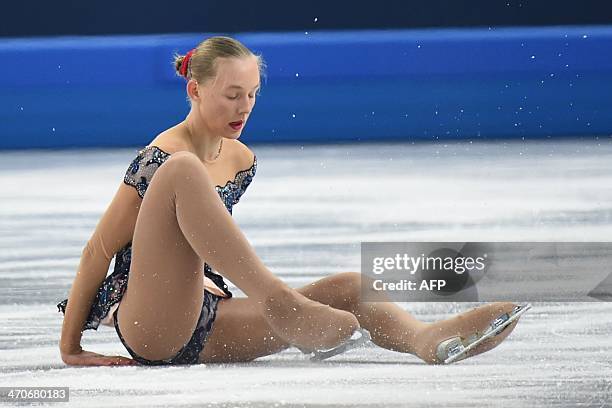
(192, 89)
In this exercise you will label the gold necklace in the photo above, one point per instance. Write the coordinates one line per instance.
(218, 153)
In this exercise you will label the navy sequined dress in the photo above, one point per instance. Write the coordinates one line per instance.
(139, 174)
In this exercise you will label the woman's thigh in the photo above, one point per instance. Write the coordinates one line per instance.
(241, 333)
(164, 296)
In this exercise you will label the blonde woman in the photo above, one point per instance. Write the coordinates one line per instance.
(169, 225)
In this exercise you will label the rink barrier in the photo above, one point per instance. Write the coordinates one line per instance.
(422, 85)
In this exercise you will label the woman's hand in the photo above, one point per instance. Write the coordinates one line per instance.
(88, 358)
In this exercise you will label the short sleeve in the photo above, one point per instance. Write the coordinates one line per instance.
(143, 167)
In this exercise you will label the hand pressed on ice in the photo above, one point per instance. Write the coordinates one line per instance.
(89, 358)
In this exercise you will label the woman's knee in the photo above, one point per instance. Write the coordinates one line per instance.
(348, 286)
(182, 161)
(355, 288)
(185, 166)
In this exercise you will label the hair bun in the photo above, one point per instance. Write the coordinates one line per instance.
(178, 62)
(184, 66)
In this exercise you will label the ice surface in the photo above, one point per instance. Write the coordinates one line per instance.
(306, 212)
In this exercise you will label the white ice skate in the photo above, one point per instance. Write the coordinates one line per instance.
(360, 337)
(455, 348)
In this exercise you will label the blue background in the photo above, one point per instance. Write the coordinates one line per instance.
(473, 81)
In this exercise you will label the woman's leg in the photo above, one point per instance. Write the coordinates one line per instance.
(394, 328)
(181, 223)
(239, 334)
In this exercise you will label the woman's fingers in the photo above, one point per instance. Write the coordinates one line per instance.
(119, 360)
(88, 358)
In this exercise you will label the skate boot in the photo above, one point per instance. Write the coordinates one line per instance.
(456, 348)
(307, 324)
(360, 337)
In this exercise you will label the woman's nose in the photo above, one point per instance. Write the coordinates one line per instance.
(245, 106)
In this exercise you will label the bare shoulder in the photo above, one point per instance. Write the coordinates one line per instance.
(243, 155)
(170, 141)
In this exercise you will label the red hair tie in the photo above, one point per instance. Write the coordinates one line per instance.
(185, 63)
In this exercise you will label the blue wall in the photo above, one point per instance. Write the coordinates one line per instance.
(351, 85)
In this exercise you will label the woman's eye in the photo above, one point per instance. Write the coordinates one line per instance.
(238, 96)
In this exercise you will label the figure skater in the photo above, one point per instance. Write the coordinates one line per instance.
(173, 309)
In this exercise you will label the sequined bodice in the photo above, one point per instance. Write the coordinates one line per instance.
(141, 170)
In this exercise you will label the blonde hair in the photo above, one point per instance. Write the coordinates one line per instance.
(201, 66)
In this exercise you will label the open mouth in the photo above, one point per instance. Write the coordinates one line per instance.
(236, 125)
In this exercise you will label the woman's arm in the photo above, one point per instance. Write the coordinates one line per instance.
(114, 230)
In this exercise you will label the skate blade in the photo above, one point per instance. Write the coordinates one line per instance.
(352, 343)
(494, 329)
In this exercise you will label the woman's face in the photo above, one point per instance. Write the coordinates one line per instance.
(227, 100)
